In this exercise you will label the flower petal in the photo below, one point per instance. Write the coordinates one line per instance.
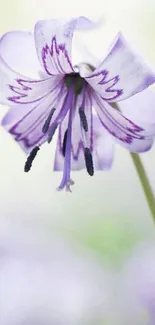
(15, 88)
(103, 154)
(132, 136)
(98, 140)
(25, 122)
(140, 108)
(81, 53)
(54, 43)
(29, 91)
(122, 73)
(18, 50)
(7, 78)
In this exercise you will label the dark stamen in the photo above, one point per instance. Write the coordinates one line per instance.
(64, 143)
(48, 121)
(30, 159)
(89, 161)
(52, 131)
(83, 119)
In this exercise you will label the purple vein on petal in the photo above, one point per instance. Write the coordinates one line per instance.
(105, 81)
(20, 136)
(40, 118)
(26, 88)
(130, 133)
(61, 48)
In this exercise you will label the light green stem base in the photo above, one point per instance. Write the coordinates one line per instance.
(145, 183)
(149, 195)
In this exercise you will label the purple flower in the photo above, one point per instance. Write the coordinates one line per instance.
(63, 97)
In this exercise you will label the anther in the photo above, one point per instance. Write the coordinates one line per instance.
(64, 143)
(83, 119)
(48, 121)
(89, 161)
(51, 132)
(30, 159)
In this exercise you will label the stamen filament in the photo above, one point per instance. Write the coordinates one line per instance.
(66, 180)
(52, 131)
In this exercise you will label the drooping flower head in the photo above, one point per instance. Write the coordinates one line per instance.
(63, 98)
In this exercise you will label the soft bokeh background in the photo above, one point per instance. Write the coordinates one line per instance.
(106, 214)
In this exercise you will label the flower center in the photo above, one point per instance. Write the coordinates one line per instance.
(75, 85)
(76, 80)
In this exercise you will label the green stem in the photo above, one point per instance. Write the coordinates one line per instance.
(149, 195)
(144, 182)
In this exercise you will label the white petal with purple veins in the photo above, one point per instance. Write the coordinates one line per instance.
(104, 147)
(54, 43)
(25, 122)
(140, 108)
(132, 136)
(15, 88)
(121, 74)
(7, 78)
(28, 91)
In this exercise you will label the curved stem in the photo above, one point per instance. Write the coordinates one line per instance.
(149, 195)
(144, 182)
